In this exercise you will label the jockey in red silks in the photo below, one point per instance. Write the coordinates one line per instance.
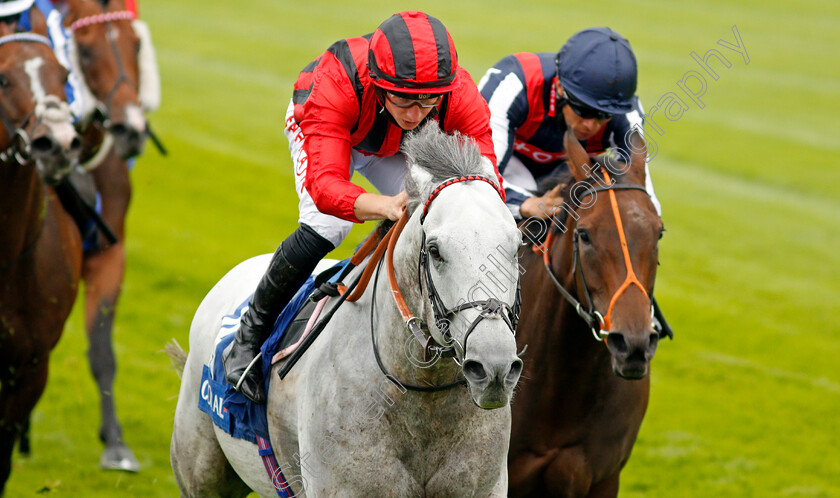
(350, 111)
(588, 86)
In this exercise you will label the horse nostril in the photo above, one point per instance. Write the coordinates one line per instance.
(616, 342)
(75, 146)
(43, 144)
(473, 371)
(119, 130)
(515, 371)
(654, 340)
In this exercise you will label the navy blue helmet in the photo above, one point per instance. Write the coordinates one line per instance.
(598, 67)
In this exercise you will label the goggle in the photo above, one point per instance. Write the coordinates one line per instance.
(404, 102)
(584, 110)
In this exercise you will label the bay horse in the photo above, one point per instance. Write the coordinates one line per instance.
(359, 415)
(40, 247)
(576, 420)
(106, 46)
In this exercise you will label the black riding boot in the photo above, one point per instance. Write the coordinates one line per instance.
(292, 263)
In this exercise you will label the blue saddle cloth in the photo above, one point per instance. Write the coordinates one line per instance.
(230, 410)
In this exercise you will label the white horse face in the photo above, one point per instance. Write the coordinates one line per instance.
(472, 242)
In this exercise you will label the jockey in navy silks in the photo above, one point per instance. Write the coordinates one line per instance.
(588, 86)
(350, 111)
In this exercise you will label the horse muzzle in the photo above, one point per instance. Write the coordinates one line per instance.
(631, 353)
(55, 150)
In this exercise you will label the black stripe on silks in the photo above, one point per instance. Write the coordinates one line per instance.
(311, 66)
(341, 51)
(374, 139)
(299, 96)
(402, 47)
(443, 53)
(444, 106)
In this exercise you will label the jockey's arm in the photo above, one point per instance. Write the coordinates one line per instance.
(330, 112)
(379, 207)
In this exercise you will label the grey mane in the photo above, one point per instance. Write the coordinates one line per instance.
(442, 156)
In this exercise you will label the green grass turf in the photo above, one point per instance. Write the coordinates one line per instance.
(744, 401)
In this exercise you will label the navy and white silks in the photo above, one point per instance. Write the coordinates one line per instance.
(528, 130)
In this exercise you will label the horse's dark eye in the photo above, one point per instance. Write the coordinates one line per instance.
(4, 82)
(85, 52)
(434, 252)
(661, 233)
(583, 235)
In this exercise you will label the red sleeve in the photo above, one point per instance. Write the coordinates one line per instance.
(469, 114)
(329, 115)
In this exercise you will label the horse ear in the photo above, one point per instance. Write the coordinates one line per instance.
(115, 5)
(638, 156)
(38, 22)
(578, 160)
(72, 12)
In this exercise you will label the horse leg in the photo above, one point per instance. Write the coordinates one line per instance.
(18, 397)
(103, 273)
(198, 462)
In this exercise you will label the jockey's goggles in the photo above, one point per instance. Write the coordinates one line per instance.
(584, 110)
(403, 101)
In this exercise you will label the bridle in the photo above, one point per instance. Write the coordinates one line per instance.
(102, 110)
(19, 150)
(106, 18)
(490, 307)
(599, 324)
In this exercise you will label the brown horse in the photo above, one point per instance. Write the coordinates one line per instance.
(106, 51)
(40, 247)
(581, 404)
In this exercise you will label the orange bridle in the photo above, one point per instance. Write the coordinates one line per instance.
(592, 317)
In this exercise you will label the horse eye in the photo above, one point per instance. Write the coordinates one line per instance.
(85, 52)
(4, 82)
(584, 236)
(661, 233)
(434, 252)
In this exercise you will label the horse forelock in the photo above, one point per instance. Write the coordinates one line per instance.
(567, 179)
(435, 156)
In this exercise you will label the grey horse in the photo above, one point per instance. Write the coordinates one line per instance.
(338, 425)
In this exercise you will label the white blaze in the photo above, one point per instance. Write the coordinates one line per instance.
(33, 70)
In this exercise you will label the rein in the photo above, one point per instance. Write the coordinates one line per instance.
(18, 152)
(104, 114)
(106, 18)
(432, 350)
(599, 324)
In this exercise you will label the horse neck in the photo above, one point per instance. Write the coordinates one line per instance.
(390, 328)
(559, 342)
(21, 209)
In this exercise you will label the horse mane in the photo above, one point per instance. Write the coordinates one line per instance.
(441, 156)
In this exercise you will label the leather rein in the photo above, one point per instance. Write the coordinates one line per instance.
(599, 324)
(443, 315)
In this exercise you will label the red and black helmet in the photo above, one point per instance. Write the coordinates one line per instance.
(412, 52)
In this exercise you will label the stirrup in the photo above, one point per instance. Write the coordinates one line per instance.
(246, 371)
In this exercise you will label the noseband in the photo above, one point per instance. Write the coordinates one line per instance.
(20, 150)
(599, 324)
(491, 307)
